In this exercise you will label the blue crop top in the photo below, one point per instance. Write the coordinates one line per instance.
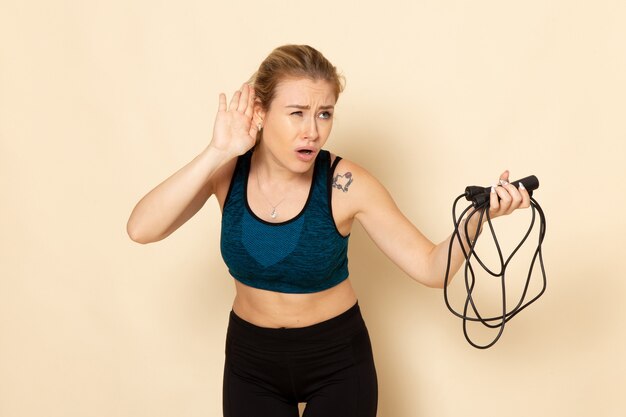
(306, 254)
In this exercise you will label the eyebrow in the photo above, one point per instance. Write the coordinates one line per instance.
(298, 106)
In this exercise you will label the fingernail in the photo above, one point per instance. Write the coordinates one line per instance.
(521, 186)
(503, 182)
(493, 188)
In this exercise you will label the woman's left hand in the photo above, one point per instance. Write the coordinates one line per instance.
(506, 198)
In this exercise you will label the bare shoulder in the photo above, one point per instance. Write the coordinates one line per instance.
(354, 188)
(350, 177)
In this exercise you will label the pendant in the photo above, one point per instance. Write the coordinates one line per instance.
(273, 214)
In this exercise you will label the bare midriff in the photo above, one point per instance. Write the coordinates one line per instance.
(279, 310)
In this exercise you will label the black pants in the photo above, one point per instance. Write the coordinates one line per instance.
(328, 365)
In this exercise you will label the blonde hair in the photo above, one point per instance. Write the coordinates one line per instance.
(293, 61)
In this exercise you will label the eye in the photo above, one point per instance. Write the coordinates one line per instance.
(325, 115)
(296, 113)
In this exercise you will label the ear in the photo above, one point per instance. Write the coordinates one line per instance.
(259, 113)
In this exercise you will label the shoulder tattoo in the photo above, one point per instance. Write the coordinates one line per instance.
(342, 181)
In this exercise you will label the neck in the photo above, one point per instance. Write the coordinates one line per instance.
(273, 172)
(277, 185)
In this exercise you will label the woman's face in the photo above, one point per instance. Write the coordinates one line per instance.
(298, 122)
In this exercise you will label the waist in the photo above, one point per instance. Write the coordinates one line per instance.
(344, 325)
(270, 309)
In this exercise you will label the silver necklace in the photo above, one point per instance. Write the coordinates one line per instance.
(273, 213)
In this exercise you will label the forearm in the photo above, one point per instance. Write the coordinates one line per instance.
(176, 199)
(438, 257)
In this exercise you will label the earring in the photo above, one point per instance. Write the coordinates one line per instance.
(259, 126)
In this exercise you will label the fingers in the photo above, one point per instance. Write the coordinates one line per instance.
(253, 131)
(243, 98)
(504, 177)
(251, 99)
(234, 101)
(506, 198)
(242, 101)
(494, 201)
(222, 102)
(510, 198)
(525, 196)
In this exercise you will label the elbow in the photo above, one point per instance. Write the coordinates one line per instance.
(136, 234)
(430, 283)
(428, 278)
(437, 284)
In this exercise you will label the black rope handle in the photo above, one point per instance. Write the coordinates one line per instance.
(479, 197)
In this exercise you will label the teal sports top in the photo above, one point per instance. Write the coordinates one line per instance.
(306, 254)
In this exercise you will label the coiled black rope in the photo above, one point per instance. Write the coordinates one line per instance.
(479, 196)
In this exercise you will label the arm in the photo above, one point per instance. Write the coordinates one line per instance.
(171, 203)
(402, 242)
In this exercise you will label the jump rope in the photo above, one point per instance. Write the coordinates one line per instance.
(479, 198)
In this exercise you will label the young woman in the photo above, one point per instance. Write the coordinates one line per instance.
(295, 332)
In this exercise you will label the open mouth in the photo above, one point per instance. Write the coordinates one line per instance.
(305, 151)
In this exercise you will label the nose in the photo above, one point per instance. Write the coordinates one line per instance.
(311, 131)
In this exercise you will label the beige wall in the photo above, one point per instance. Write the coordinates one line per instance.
(100, 100)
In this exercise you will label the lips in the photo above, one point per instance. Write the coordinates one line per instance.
(306, 153)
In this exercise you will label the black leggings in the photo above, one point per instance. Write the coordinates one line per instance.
(328, 365)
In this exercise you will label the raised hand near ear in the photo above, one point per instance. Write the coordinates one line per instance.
(234, 133)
